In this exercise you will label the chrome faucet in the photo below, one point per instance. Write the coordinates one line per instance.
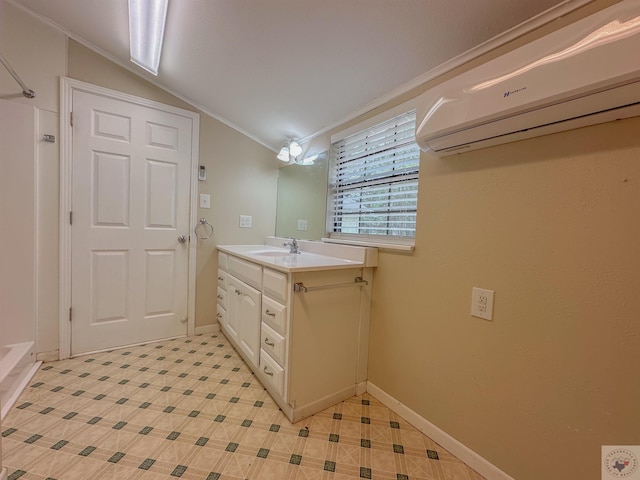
(293, 246)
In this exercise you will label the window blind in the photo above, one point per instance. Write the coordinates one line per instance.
(373, 181)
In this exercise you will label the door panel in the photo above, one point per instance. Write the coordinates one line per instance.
(111, 126)
(111, 203)
(162, 191)
(109, 286)
(131, 195)
(163, 136)
(160, 270)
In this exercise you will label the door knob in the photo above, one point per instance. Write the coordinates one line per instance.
(182, 239)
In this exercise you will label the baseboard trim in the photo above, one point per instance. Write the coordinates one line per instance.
(300, 412)
(464, 453)
(52, 356)
(204, 329)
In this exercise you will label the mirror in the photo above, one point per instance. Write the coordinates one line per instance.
(302, 197)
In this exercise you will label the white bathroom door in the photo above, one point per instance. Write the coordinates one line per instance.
(130, 223)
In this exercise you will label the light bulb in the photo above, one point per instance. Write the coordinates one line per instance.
(294, 148)
(284, 154)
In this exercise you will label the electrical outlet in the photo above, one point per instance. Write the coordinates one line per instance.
(245, 221)
(302, 225)
(482, 303)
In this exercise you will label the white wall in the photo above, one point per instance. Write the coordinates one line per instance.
(17, 217)
(38, 54)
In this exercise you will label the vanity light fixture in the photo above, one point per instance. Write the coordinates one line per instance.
(290, 151)
(311, 158)
(146, 31)
(284, 153)
(294, 149)
(308, 160)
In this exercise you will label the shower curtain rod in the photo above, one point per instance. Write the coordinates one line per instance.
(26, 91)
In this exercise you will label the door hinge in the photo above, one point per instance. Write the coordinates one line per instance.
(70, 218)
(70, 313)
(71, 118)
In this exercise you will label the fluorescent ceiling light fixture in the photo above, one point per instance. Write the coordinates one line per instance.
(146, 30)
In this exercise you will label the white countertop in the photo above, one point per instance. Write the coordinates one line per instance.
(280, 258)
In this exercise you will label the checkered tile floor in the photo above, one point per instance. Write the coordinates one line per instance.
(190, 408)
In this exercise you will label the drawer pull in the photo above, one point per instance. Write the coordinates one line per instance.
(218, 315)
(267, 372)
(266, 340)
(219, 297)
(238, 292)
(221, 279)
(271, 314)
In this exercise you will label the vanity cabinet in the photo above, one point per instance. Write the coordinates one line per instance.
(309, 349)
(241, 303)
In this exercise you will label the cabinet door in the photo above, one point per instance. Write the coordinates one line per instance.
(249, 323)
(234, 292)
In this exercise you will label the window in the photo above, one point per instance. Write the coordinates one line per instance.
(373, 182)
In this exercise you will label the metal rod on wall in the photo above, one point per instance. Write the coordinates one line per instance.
(26, 91)
(300, 287)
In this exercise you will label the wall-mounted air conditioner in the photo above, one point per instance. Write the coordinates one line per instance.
(585, 73)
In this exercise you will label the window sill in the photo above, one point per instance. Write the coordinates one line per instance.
(397, 247)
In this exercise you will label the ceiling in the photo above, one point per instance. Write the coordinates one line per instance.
(278, 69)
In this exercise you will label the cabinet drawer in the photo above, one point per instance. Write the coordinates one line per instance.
(273, 343)
(222, 297)
(223, 261)
(222, 279)
(275, 315)
(275, 284)
(221, 315)
(272, 372)
(249, 272)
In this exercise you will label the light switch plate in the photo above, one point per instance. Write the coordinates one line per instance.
(302, 225)
(482, 303)
(245, 221)
(205, 200)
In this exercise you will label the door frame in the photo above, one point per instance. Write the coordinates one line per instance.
(67, 87)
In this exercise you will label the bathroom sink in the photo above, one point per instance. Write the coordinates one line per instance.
(270, 253)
